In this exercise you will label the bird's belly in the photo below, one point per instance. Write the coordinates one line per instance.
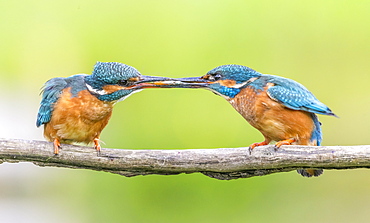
(272, 119)
(78, 119)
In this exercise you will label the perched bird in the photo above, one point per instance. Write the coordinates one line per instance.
(283, 110)
(76, 109)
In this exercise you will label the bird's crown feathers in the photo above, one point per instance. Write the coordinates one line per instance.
(113, 72)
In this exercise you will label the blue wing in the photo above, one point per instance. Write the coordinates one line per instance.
(50, 94)
(295, 96)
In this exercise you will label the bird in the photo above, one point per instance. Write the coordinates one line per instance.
(76, 109)
(282, 109)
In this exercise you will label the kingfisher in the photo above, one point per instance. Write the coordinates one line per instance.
(76, 109)
(282, 109)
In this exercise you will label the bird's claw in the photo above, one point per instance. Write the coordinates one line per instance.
(250, 150)
(283, 142)
(97, 146)
(56, 144)
(254, 145)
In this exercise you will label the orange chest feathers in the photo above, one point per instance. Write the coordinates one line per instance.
(78, 119)
(272, 118)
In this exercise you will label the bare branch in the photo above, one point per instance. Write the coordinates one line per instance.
(224, 163)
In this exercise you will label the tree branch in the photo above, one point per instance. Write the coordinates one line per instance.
(224, 163)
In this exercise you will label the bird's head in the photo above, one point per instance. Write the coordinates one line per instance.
(113, 81)
(225, 80)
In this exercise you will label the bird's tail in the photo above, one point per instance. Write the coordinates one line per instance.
(316, 136)
(309, 172)
(316, 139)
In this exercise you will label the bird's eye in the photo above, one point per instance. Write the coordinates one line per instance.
(123, 82)
(129, 81)
(212, 77)
(217, 77)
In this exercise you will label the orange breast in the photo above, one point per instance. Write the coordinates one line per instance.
(78, 119)
(275, 121)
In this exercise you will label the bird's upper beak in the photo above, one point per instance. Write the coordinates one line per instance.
(194, 80)
(146, 79)
(163, 82)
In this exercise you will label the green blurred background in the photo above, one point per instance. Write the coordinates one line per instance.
(324, 45)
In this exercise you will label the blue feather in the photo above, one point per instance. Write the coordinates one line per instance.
(224, 91)
(295, 96)
(316, 133)
(51, 92)
(111, 73)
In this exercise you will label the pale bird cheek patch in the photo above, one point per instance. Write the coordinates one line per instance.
(233, 84)
(96, 91)
(112, 88)
(108, 89)
(134, 79)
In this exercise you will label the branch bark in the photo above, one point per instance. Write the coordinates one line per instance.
(223, 163)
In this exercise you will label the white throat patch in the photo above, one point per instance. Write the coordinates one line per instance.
(245, 83)
(95, 91)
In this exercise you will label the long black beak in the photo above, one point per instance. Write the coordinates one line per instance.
(163, 82)
(193, 80)
(146, 79)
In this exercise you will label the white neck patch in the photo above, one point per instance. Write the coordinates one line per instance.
(95, 91)
(245, 83)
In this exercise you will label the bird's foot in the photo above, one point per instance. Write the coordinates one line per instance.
(97, 146)
(254, 145)
(283, 142)
(56, 144)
